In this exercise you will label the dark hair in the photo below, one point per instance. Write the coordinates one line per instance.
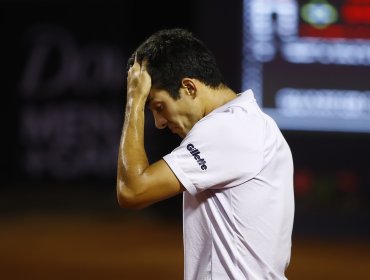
(173, 54)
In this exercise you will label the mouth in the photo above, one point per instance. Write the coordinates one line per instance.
(175, 130)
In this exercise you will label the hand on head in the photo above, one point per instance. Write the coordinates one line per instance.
(138, 80)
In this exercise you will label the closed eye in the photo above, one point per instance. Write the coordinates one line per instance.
(159, 107)
(154, 105)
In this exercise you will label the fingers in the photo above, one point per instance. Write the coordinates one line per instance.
(144, 63)
(136, 65)
(138, 68)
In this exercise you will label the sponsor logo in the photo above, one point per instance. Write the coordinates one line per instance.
(196, 154)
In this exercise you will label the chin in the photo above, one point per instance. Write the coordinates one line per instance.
(181, 134)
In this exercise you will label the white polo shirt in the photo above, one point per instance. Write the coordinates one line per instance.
(239, 205)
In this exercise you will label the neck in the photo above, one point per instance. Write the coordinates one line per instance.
(217, 98)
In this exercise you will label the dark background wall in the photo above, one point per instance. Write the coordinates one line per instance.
(64, 56)
(62, 106)
(64, 87)
(63, 95)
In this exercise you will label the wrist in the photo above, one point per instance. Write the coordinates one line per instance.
(136, 103)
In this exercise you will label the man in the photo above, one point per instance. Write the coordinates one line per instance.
(233, 166)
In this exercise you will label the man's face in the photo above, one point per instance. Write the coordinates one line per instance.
(178, 115)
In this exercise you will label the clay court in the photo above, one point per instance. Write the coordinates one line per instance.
(97, 241)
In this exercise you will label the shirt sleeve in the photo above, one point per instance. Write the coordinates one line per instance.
(222, 150)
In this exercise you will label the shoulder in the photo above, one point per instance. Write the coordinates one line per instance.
(238, 116)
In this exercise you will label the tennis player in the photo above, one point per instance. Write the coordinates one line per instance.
(233, 167)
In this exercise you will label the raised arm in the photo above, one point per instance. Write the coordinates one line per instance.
(138, 183)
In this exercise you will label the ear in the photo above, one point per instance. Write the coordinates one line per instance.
(189, 86)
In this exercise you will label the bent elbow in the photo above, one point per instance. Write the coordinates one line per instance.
(128, 200)
(126, 203)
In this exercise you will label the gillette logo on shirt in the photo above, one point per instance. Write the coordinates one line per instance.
(196, 154)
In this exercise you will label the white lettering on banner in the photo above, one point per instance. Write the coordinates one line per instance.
(70, 140)
(327, 52)
(343, 104)
(57, 64)
(68, 129)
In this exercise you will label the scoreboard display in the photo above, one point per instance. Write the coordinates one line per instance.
(308, 62)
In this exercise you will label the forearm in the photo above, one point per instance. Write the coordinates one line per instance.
(132, 158)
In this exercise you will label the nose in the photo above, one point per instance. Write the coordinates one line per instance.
(160, 121)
